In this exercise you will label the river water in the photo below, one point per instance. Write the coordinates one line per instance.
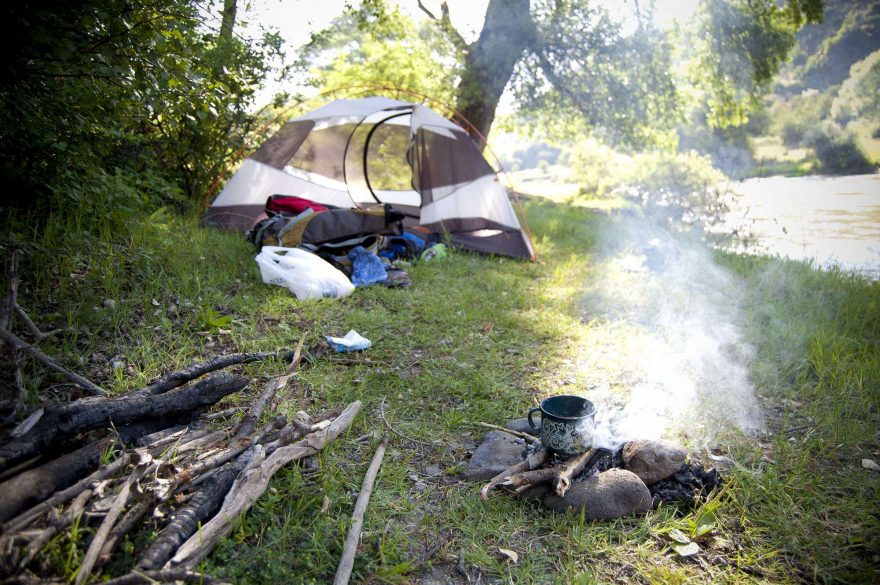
(833, 221)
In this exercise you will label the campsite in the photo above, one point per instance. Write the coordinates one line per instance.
(366, 292)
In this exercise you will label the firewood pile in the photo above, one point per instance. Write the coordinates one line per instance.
(154, 454)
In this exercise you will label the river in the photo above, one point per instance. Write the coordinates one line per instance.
(833, 221)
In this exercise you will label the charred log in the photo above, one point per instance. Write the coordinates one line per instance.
(186, 521)
(63, 422)
(35, 485)
(188, 374)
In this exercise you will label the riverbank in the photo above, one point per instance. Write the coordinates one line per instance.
(479, 339)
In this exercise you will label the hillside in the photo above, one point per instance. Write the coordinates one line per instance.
(849, 32)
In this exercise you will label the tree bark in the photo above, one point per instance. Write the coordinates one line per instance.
(63, 422)
(507, 31)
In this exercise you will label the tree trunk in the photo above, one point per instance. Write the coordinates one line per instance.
(228, 22)
(507, 31)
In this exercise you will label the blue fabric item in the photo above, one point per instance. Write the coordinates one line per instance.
(366, 268)
(418, 242)
(402, 246)
(393, 252)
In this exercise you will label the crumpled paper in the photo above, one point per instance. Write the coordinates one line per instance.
(353, 341)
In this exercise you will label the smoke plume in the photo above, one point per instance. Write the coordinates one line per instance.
(672, 361)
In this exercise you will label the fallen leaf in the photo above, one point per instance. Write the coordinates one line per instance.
(686, 550)
(870, 464)
(325, 506)
(679, 536)
(512, 555)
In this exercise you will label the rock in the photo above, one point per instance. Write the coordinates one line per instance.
(497, 452)
(652, 461)
(432, 471)
(522, 425)
(610, 494)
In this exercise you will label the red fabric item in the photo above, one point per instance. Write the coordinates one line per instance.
(293, 205)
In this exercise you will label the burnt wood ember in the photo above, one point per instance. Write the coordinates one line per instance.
(608, 459)
(684, 486)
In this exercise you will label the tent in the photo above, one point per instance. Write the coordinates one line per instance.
(357, 153)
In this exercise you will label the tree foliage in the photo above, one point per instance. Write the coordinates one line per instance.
(110, 88)
(740, 47)
(376, 45)
(584, 73)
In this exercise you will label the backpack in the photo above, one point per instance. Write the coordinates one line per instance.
(324, 226)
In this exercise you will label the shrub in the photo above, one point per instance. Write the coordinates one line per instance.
(681, 187)
(838, 151)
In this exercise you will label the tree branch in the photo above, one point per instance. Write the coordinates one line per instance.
(445, 24)
(14, 341)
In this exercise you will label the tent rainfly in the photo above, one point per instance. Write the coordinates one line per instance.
(357, 153)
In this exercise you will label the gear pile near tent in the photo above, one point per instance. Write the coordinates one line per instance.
(358, 153)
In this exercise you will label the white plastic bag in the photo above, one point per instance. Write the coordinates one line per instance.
(303, 273)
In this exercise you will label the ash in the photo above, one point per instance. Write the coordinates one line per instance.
(685, 486)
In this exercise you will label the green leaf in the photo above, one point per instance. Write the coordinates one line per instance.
(679, 536)
(686, 550)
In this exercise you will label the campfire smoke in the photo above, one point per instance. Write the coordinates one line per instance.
(674, 361)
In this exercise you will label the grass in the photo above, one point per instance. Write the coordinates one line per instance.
(479, 339)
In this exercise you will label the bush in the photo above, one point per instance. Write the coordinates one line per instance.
(838, 151)
(793, 118)
(682, 187)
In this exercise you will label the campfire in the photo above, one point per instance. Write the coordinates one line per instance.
(603, 483)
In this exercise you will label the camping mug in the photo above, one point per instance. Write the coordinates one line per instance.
(566, 424)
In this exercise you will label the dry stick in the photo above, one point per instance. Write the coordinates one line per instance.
(145, 504)
(251, 484)
(163, 576)
(91, 556)
(561, 475)
(38, 334)
(525, 436)
(533, 461)
(187, 435)
(222, 413)
(573, 468)
(73, 512)
(181, 377)
(249, 422)
(343, 572)
(227, 455)
(13, 340)
(60, 498)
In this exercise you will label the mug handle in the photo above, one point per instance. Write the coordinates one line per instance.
(532, 424)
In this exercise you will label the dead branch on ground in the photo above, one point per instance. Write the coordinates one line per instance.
(346, 563)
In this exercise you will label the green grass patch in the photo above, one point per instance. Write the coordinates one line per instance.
(478, 339)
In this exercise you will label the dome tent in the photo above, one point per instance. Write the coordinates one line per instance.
(362, 152)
